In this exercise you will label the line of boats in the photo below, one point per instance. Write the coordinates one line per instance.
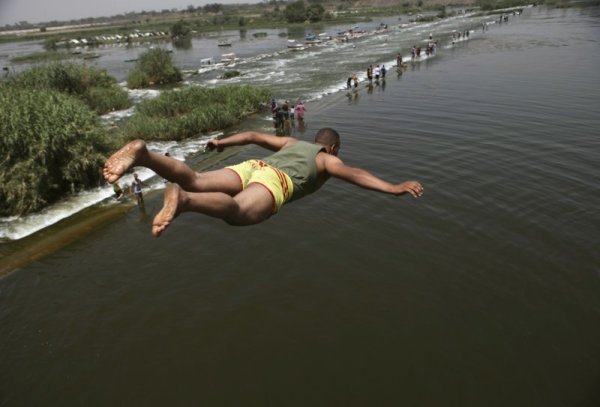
(113, 39)
(325, 38)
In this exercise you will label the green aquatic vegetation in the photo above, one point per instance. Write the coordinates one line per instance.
(180, 114)
(95, 87)
(53, 145)
(231, 74)
(39, 57)
(154, 67)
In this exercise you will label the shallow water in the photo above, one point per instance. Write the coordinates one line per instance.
(485, 291)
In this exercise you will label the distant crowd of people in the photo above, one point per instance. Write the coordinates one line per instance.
(285, 115)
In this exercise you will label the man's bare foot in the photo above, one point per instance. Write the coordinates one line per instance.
(169, 210)
(123, 160)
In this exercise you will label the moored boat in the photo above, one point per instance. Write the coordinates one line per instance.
(293, 44)
(228, 58)
(311, 39)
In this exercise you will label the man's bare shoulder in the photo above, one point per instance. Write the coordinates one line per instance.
(287, 141)
(325, 161)
(271, 141)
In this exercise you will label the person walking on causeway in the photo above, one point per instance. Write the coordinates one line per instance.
(252, 191)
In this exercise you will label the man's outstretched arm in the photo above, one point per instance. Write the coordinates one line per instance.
(357, 176)
(268, 141)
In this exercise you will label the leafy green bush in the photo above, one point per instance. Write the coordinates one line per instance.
(176, 115)
(95, 87)
(53, 145)
(295, 12)
(181, 29)
(103, 99)
(231, 74)
(154, 67)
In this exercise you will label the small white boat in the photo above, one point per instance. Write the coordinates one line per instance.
(207, 61)
(224, 43)
(228, 58)
(293, 44)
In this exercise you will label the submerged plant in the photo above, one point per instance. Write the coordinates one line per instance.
(231, 74)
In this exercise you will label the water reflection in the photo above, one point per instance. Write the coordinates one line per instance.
(182, 43)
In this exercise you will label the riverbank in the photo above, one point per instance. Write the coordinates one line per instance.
(217, 17)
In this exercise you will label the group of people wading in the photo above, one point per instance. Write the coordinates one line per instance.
(285, 115)
(377, 72)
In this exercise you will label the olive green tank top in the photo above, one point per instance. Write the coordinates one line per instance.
(298, 161)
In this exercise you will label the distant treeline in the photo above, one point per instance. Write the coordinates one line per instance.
(265, 14)
(276, 9)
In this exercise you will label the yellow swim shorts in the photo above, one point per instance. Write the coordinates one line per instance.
(277, 182)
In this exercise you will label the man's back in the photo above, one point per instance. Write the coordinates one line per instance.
(298, 161)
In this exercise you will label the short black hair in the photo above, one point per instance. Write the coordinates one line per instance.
(327, 136)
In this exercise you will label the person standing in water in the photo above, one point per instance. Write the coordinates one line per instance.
(299, 111)
(136, 188)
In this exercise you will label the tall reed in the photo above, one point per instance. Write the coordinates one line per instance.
(53, 145)
(93, 86)
(180, 114)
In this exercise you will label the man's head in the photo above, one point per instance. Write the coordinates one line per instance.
(330, 139)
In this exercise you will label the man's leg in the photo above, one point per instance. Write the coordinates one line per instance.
(135, 154)
(253, 205)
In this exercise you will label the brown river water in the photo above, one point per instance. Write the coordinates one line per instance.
(484, 292)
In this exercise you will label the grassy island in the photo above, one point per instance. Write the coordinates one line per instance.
(94, 87)
(53, 146)
(185, 113)
(154, 67)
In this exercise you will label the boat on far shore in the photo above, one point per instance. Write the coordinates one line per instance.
(207, 61)
(228, 58)
(293, 44)
(311, 39)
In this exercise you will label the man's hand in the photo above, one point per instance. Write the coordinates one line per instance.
(412, 187)
(214, 144)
